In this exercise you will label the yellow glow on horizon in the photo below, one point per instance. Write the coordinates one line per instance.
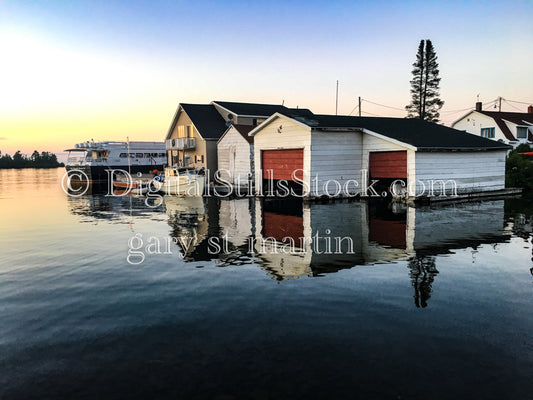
(53, 97)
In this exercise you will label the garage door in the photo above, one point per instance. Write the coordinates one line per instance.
(279, 226)
(280, 164)
(388, 164)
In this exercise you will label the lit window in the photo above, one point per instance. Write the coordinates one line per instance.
(521, 132)
(487, 133)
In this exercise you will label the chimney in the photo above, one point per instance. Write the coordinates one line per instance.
(478, 106)
(530, 110)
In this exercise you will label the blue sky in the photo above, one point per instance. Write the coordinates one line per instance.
(113, 69)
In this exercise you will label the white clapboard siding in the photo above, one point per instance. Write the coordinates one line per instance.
(234, 157)
(471, 171)
(292, 135)
(335, 156)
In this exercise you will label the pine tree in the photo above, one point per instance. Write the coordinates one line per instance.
(425, 102)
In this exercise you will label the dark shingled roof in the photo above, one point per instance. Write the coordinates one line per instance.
(206, 119)
(514, 117)
(244, 130)
(421, 134)
(262, 110)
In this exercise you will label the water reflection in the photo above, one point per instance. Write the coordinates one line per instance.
(289, 238)
(422, 273)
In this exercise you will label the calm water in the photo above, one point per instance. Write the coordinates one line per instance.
(417, 304)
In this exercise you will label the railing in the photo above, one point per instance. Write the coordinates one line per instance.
(80, 160)
(181, 143)
(75, 160)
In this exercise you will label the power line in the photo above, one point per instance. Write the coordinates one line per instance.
(374, 115)
(516, 108)
(456, 111)
(382, 105)
(355, 108)
(521, 102)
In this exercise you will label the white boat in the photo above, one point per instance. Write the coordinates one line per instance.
(94, 158)
(184, 181)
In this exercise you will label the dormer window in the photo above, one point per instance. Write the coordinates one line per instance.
(521, 132)
(487, 133)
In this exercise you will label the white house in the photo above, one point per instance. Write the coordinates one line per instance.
(513, 128)
(236, 155)
(341, 155)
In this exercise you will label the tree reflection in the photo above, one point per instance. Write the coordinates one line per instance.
(422, 273)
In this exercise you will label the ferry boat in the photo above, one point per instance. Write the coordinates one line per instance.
(94, 158)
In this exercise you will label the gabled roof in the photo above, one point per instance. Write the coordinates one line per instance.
(512, 117)
(205, 118)
(243, 130)
(260, 110)
(417, 133)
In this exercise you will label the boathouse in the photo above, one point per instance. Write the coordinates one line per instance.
(236, 155)
(340, 156)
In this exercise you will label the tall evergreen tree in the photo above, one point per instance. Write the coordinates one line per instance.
(425, 102)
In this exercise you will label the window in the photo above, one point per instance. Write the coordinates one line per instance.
(195, 158)
(487, 133)
(139, 155)
(181, 131)
(202, 158)
(189, 131)
(123, 155)
(154, 154)
(521, 132)
(162, 155)
(146, 155)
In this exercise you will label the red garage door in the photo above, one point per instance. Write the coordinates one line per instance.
(280, 226)
(388, 164)
(280, 164)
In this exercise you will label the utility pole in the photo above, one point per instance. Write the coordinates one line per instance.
(359, 105)
(337, 99)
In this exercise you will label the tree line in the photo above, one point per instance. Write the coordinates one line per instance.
(35, 160)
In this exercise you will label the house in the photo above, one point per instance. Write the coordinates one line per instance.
(236, 155)
(327, 155)
(192, 137)
(513, 128)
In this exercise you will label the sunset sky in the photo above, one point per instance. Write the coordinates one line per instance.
(72, 71)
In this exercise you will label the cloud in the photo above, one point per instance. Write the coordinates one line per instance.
(3, 138)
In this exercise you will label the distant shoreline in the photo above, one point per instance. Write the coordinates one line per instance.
(34, 167)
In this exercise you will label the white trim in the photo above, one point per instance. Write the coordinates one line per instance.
(388, 139)
(463, 117)
(241, 115)
(173, 125)
(270, 119)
